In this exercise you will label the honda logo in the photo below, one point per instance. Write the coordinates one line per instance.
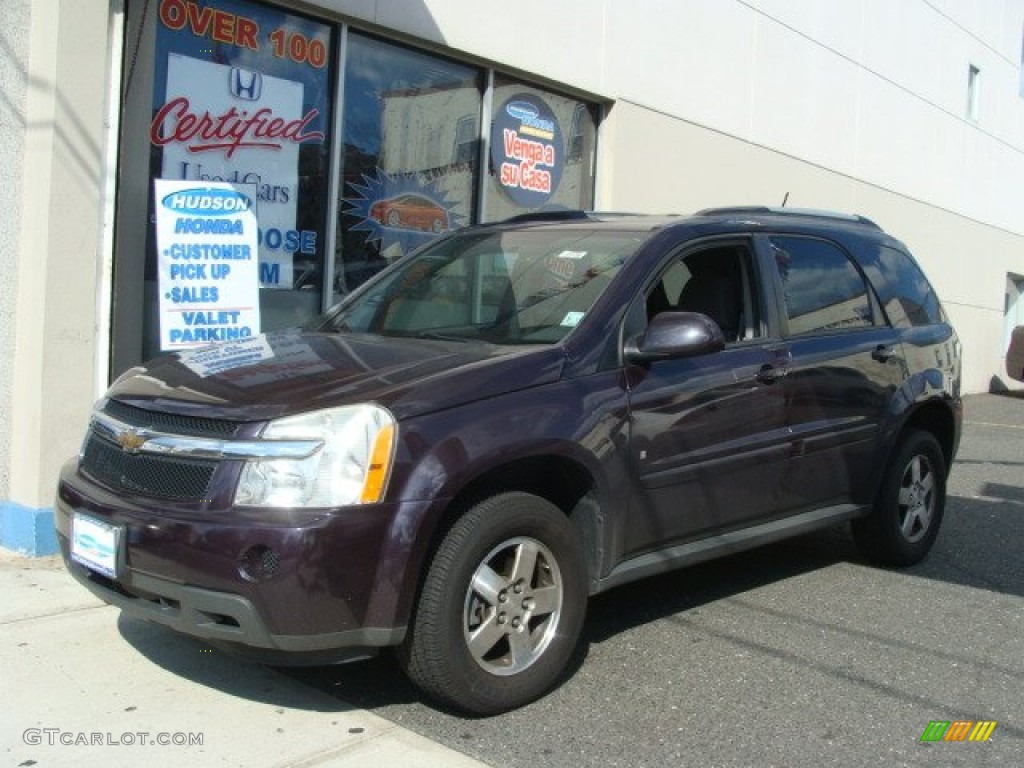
(245, 84)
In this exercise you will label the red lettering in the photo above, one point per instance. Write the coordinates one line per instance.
(294, 129)
(223, 27)
(187, 126)
(533, 178)
(509, 175)
(233, 130)
(198, 20)
(246, 31)
(524, 149)
(172, 14)
(276, 127)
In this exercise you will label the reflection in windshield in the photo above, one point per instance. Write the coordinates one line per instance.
(512, 287)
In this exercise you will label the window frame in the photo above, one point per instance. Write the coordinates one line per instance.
(757, 299)
(781, 311)
(465, 145)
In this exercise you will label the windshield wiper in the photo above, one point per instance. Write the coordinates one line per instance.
(441, 336)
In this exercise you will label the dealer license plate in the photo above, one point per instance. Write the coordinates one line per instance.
(94, 544)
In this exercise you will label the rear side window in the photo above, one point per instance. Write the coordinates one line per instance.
(823, 290)
(908, 296)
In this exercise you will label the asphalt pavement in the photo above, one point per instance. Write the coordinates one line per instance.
(797, 654)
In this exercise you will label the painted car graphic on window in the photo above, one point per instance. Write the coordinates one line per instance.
(410, 212)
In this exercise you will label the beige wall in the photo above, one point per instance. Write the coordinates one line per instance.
(13, 128)
(655, 163)
(58, 234)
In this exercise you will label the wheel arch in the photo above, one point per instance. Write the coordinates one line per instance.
(934, 416)
(559, 479)
(564, 481)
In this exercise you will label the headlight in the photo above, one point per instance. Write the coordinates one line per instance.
(351, 466)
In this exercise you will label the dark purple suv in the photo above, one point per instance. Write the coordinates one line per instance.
(511, 419)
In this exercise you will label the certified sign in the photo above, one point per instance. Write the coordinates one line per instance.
(208, 266)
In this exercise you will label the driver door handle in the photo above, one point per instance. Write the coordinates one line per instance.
(769, 374)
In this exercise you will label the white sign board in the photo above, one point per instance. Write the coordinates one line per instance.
(239, 126)
(206, 239)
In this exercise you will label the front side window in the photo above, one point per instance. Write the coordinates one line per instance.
(823, 290)
(712, 281)
(502, 287)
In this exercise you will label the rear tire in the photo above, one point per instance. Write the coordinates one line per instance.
(501, 608)
(908, 510)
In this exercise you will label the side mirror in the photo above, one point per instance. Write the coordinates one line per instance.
(672, 335)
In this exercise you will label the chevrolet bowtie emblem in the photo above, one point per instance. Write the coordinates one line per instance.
(131, 440)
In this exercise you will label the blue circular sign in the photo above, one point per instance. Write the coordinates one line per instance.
(527, 151)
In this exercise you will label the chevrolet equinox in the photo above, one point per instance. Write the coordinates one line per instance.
(513, 418)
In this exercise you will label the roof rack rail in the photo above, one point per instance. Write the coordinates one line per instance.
(564, 215)
(764, 210)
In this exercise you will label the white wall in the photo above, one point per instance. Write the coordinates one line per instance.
(57, 235)
(13, 125)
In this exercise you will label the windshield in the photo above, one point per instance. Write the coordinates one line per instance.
(503, 287)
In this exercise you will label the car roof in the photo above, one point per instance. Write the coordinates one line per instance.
(749, 218)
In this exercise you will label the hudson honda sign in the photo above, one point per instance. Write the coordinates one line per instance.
(206, 242)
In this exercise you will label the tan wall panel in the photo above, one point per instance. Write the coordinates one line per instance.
(54, 380)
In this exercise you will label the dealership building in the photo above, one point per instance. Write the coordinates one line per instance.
(353, 131)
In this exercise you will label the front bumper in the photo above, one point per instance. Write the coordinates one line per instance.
(227, 620)
(342, 581)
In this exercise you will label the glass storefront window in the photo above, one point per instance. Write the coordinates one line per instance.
(411, 126)
(242, 92)
(541, 151)
(238, 92)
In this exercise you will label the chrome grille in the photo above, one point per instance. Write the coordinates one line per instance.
(160, 476)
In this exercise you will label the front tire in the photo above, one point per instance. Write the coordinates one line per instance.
(908, 510)
(501, 608)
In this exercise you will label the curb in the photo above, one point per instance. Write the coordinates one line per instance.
(27, 531)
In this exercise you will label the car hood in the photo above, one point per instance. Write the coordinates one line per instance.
(287, 372)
